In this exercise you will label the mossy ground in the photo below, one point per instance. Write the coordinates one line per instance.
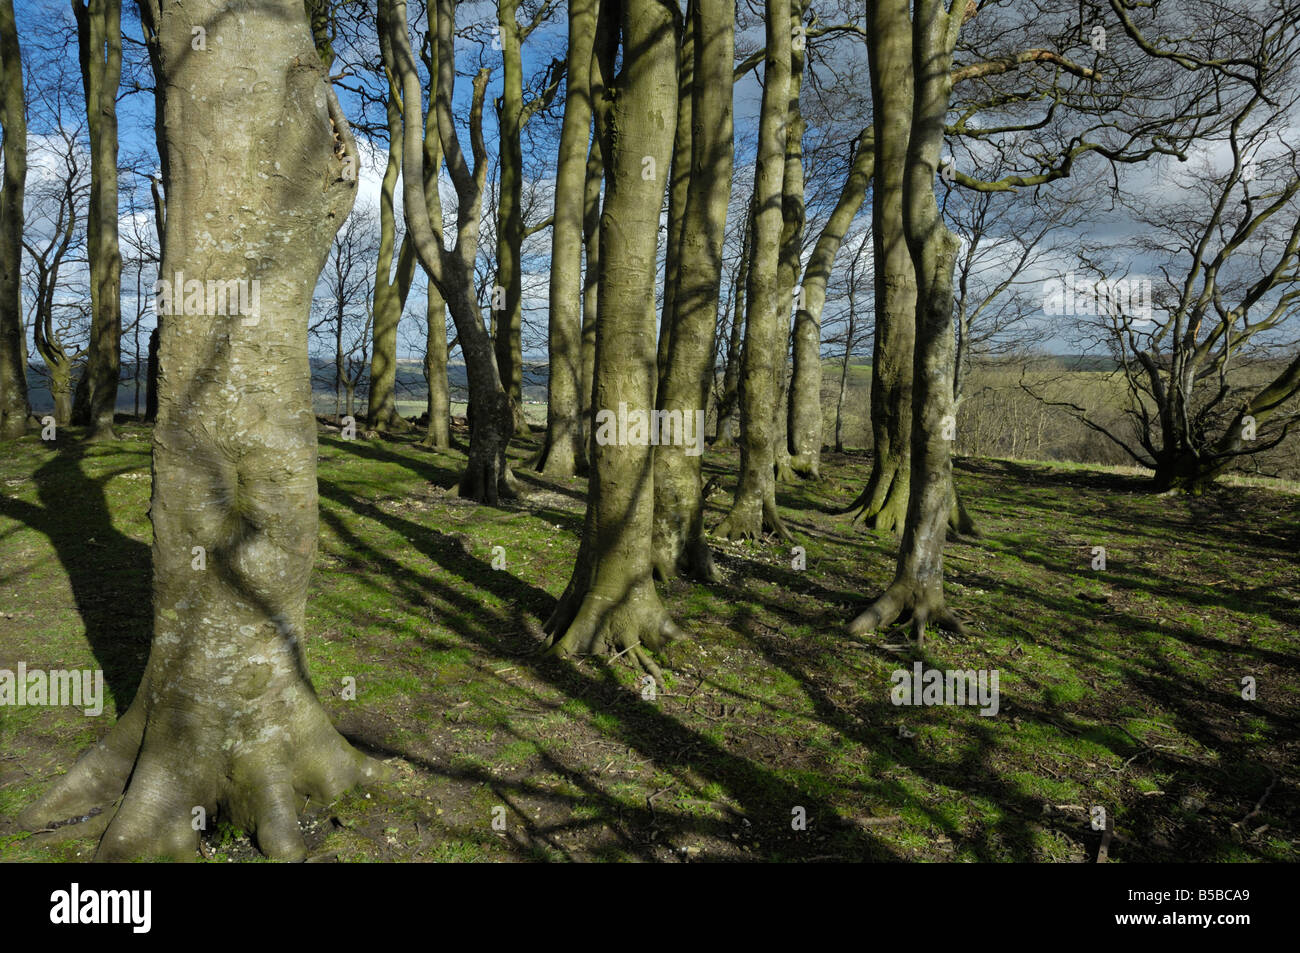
(1120, 688)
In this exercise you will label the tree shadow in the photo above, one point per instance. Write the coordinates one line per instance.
(74, 515)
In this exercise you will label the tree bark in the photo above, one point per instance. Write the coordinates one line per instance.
(13, 118)
(564, 453)
(226, 717)
(99, 36)
(687, 375)
(729, 401)
(754, 507)
(611, 604)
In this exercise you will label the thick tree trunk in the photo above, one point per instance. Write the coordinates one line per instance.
(917, 588)
(611, 604)
(13, 366)
(754, 507)
(99, 36)
(226, 717)
(564, 453)
(806, 381)
(679, 544)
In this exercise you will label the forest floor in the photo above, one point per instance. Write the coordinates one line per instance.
(1120, 688)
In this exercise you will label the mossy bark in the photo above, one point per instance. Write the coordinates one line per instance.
(754, 507)
(226, 717)
(793, 214)
(679, 544)
(610, 604)
(13, 371)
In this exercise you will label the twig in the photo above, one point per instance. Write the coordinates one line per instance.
(1260, 803)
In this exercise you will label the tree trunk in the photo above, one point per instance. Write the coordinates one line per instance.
(754, 507)
(510, 213)
(679, 544)
(678, 183)
(564, 453)
(601, 76)
(793, 214)
(806, 381)
(390, 291)
(99, 36)
(487, 475)
(889, 47)
(151, 379)
(729, 402)
(226, 717)
(917, 588)
(13, 369)
(611, 604)
(438, 406)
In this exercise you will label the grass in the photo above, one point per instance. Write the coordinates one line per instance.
(1120, 687)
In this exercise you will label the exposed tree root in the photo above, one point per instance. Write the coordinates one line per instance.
(750, 518)
(257, 765)
(633, 624)
(905, 602)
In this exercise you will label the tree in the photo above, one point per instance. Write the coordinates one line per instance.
(54, 216)
(686, 372)
(13, 119)
(347, 306)
(806, 379)
(226, 717)
(1193, 352)
(99, 40)
(513, 113)
(487, 476)
(610, 604)
(390, 290)
(564, 451)
(763, 363)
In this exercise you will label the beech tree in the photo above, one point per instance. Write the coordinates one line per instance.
(225, 717)
(686, 343)
(487, 475)
(99, 40)
(753, 509)
(610, 604)
(564, 452)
